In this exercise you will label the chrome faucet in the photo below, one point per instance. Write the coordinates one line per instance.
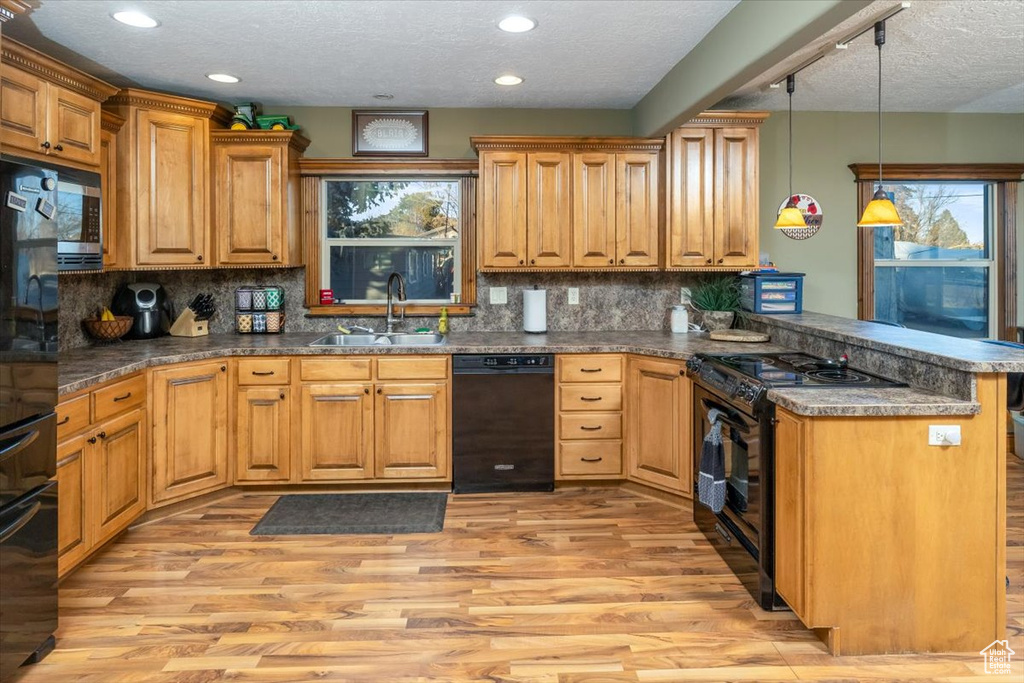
(390, 320)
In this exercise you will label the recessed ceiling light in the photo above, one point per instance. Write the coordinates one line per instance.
(383, 96)
(516, 24)
(136, 19)
(508, 80)
(223, 78)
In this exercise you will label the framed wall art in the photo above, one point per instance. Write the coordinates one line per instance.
(389, 133)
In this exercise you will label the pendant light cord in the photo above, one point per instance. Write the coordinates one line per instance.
(791, 143)
(879, 41)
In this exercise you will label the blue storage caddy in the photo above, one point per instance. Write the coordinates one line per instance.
(772, 292)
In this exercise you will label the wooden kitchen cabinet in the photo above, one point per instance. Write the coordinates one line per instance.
(256, 208)
(73, 537)
(549, 204)
(190, 436)
(712, 197)
(636, 209)
(658, 427)
(337, 432)
(50, 110)
(263, 434)
(790, 517)
(411, 434)
(110, 124)
(503, 209)
(588, 407)
(593, 217)
(117, 474)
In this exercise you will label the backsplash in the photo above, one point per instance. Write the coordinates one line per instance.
(608, 301)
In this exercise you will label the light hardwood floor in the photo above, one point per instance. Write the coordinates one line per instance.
(578, 586)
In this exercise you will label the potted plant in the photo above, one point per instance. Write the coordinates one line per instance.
(717, 299)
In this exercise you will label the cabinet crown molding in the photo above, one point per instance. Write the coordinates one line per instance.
(148, 99)
(727, 118)
(34, 62)
(565, 143)
(326, 166)
(111, 122)
(292, 138)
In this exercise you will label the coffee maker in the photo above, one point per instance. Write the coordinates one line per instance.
(149, 307)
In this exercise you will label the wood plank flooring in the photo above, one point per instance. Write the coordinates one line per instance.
(579, 586)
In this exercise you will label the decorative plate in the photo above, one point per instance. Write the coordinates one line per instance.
(813, 216)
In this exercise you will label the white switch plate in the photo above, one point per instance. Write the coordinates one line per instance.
(499, 295)
(943, 435)
(684, 295)
(574, 296)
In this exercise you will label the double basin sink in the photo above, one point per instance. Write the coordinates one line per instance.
(381, 339)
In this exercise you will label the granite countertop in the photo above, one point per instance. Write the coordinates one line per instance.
(951, 352)
(85, 367)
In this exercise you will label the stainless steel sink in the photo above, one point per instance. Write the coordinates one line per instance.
(380, 340)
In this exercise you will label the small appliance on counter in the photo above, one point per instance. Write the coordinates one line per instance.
(149, 307)
(259, 310)
(535, 310)
(194, 321)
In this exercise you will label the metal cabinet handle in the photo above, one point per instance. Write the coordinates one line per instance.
(611, 260)
(45, 145)
(721, 260)
(274, 257)
(67, 418)
(366, 390)
(709, 261)
(122, 398)
(521, 261)
(380, 391)
(590, 429)
(102, 435)
(199, 258)
(92, 440)
(590, 398)
(282, 395)
(622, 260)
(533, 262)
(262, 373)
(591, 459)
(9, 447)
(590, 369)
(59, 148)
(223, 368)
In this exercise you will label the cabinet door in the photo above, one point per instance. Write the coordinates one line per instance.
(22, 110)
(171, 213)
(593, 217)
(337, 432)
(790, 502)
(248, 195)
(189, 431)
(115, 497)
(411, 429)
(263, 437)
(503, 209)
(73, 126)
(736, 197)
(636, 209)
(108, 195)
(691, 212)
(549, 232)
(72, 529)
(658, 424)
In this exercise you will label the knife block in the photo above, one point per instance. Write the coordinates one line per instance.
(187, 326)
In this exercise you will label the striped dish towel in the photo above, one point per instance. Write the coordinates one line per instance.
(711, 482)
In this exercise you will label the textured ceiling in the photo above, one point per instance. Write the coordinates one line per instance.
(437, 53)
(939, 56)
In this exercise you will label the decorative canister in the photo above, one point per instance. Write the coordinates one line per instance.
(275, 297)
(243, 298)
(243, 322)
(274, 320)
(259, 299)
(259, 323)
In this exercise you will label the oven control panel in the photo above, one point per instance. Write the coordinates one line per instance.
(714, 377)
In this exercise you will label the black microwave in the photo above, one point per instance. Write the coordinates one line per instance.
(79, 220)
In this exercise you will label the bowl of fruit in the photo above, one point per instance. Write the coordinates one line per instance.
(105, 326)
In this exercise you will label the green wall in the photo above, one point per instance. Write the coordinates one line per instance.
(330, 128)
(824, 144)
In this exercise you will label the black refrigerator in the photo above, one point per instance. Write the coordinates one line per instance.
(28, 425)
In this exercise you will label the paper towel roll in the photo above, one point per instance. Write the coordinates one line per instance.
(535, 310)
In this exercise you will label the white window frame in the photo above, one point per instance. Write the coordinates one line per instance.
(327, 242)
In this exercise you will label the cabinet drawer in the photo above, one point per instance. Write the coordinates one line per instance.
(118, 397)
(263, 371)
(581, 458)
(335, 369)
(72, 416)
(412, 368)
(590, 426)
(573, 397)
(604, 368)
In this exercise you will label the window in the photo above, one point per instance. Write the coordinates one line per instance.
(374, 227)
(935, 273)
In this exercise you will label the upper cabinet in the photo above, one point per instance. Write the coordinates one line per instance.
(163, 167)
(256, 211)
(712, 197)
(110, 124)
(50, 111)
(569, 203)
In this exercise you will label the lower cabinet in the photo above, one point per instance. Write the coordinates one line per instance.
(190, 435)
(790, 498)
(337, 432)
(658, 424)
(263, 424)
(411, 432)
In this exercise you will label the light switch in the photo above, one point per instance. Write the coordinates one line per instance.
(499, 295)
(943, 435)
(574, 296)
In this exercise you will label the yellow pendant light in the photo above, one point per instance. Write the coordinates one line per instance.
(790, 216)
(880, 211)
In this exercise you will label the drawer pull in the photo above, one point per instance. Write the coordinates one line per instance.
(590, 369)
(591, 459)
(341, 398)
(590, 429)
(122, 398)
(409, 397)
(590, 398)
(263, 373)
(67, 418)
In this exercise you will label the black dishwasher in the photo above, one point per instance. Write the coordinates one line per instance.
(503, 426)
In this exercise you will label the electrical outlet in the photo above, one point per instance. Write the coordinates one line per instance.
(574, 296)
(684, 295)
(499, 295)
(943, 435)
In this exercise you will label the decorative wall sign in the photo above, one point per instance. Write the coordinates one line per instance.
(389, 133)
(813, 216)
